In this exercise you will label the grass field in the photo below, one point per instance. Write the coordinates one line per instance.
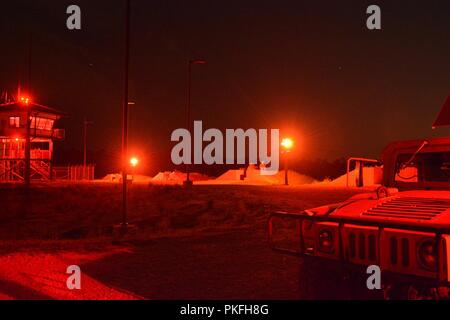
(205, 243)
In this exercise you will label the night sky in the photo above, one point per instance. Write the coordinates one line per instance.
(310, 68)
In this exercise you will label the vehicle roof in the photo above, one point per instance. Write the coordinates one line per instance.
(405, 144)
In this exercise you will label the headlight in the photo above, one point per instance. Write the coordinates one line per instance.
(427, 254)
(326, 241)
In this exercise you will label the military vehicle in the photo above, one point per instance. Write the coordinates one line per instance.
(402, 227)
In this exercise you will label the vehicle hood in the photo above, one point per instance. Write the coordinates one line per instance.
(430, 208)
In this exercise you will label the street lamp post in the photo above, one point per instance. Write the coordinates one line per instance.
(188, 181)
(125, 118)
(286, 171)
(86, 123)
(130, 122)
(28, 147)
(134, 162)
(28, 121)
(286, 145)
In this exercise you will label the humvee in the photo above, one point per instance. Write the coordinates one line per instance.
(402, 226)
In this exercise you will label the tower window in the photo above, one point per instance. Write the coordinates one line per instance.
(14, 122)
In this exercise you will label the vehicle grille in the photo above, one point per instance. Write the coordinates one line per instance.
(399, 256)
(410, 208)
(359, 249)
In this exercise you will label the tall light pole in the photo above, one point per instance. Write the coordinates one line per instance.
(125, 117)
(134, 162)
(192, 62)
(130, 122)
(286, 144)
(86, 123)
(27, 170)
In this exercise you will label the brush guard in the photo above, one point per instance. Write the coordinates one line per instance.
(442, 237)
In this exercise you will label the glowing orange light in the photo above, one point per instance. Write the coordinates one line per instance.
(287, 144)
(134, 162)
(25, 100)
(17, 139)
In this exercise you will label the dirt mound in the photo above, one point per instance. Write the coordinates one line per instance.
(177, 177)
(371, 176)
(117, 177)
(113, 177)
(231, 175)
(253, 176)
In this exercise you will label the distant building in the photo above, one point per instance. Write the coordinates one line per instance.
(13, 132)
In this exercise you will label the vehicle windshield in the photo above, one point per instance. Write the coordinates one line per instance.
(421, 167)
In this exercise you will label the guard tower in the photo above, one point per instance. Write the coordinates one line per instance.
(13, 137)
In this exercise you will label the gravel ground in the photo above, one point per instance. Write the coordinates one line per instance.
(210, 243)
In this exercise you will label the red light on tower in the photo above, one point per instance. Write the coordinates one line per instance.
(25, 100)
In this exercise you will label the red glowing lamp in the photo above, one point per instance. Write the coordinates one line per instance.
(25, 100)
(134, 162)
(287, 144)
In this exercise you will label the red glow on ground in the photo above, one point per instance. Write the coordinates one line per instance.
(40, 275)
